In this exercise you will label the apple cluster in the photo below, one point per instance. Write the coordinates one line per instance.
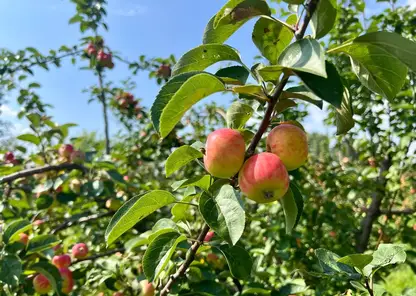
(164, 71)
(263, 177)
(104, 59)
(126, 103)
(69, 154)
(42, 284)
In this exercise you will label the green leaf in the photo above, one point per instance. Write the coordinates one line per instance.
(51, 273)
(137, 241)
(14, 228)
(305, 55)
(344, 118)
(271, 37)
(330, 265)
(238, 259)
(203, 56)
(356, 260)
(134, 211)
(178, 95)
(238, 114)
(323, 19)
(34, 118)
(116, 176)
(181, 157)
(29, 138)
(379, 60)
(44, 201)
(290, 209)
(42, 242)
(294, 1)
(179, 211)
(10, 270)
(294, 287)
(75, 19)
(238, 10)
(386, 254)
(328, 89)
(251, 90)
(282, 105)
(358, 286)
(202, 182)
(224, 213)
(297, 196)
(159, 252)
(302, 93)
(237, 75)
(270, 73)
(163, 225)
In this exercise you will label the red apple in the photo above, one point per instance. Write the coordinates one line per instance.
(65, 150)
(126, 178)
(147, 288)
(264, 178)
(38, 222)
(290, 143)
(67, 280)
(61, 261)
(80, 251)
(8, 157)
(23, 238)
(209, 236)
(41, 284)
(164, 71)
(224, 153)
(118, 294)
(91, 49)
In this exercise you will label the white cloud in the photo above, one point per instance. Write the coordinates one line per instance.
(132, 11)
(412, 3)
(6, 111)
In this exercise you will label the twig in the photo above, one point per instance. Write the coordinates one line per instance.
(99, 255)
(104, 103)
(70, 222)
(189, 258)
(186, 203)
(370, 291)
(43, 169)
(311, 7)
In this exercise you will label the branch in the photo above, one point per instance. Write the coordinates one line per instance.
(274, 98)
(189, 258)
(398, 212)
(70, 222)
(39, 170)
(99, 255)
(104, 102)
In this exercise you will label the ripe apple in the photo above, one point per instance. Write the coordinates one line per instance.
(91, 49)
(9, 157)
(80, 250)
(290, 143)
(41, 284)
(23, 238)
(209, 236)
(118, 294)
(126, 178)
(224, 153)
(147, 288)
(164, 71)
(65, 150)
(61, 260)
(67, 280)
(77, 156)
(113, 204)
(38, 222)
(264, 178)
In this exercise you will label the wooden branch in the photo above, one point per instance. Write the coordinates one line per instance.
(100, 255)
(43, 169)
(71, 222)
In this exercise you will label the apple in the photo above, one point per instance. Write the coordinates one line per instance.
(126, 178)
(290, 143)
(91, 49)
(23, 238)
(147, 288)
(65, 150)
(118, 294)
(9, 157)
(224, 153)
(209, 236)
(80, 250)
(264, 178)
(67, 280)
(164, 71)
(77, 156)
(61, 261)
(113, 204)
(41, 284)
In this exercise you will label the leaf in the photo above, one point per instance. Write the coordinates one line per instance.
(386, 254)
(271, 37)
(305, 55)
(137, 241)
(379, 60)
(356, 260)
(290, 209)
(328, 89)
(178, 95)
(302, 93)
(134, 211)
(202, 182)
(330, 266)
(10, 270)
(251, 90)
(238, 260)
(297, 195)
(75, 19)
(237, 75)
(181, 157)
(294, 1)
(344, 118)
(179, 210)
(116, 176)
(34, 118)
(51, 273)
(42, 242)
(238, 114)
(14, 228)
(237, 10)
(162, 226)
(159, 252)
(270, 73)
(282, 105)
(358, 286)
(294, 287)
(203, 56)
(224, 213)
(29, 138)
(323, 19)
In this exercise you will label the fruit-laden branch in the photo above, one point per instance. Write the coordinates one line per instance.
(100, 255)
(71, 222)
(43, 169)
(374, 209)
(310, 9)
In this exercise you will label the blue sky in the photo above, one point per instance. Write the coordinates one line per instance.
(150, 27)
